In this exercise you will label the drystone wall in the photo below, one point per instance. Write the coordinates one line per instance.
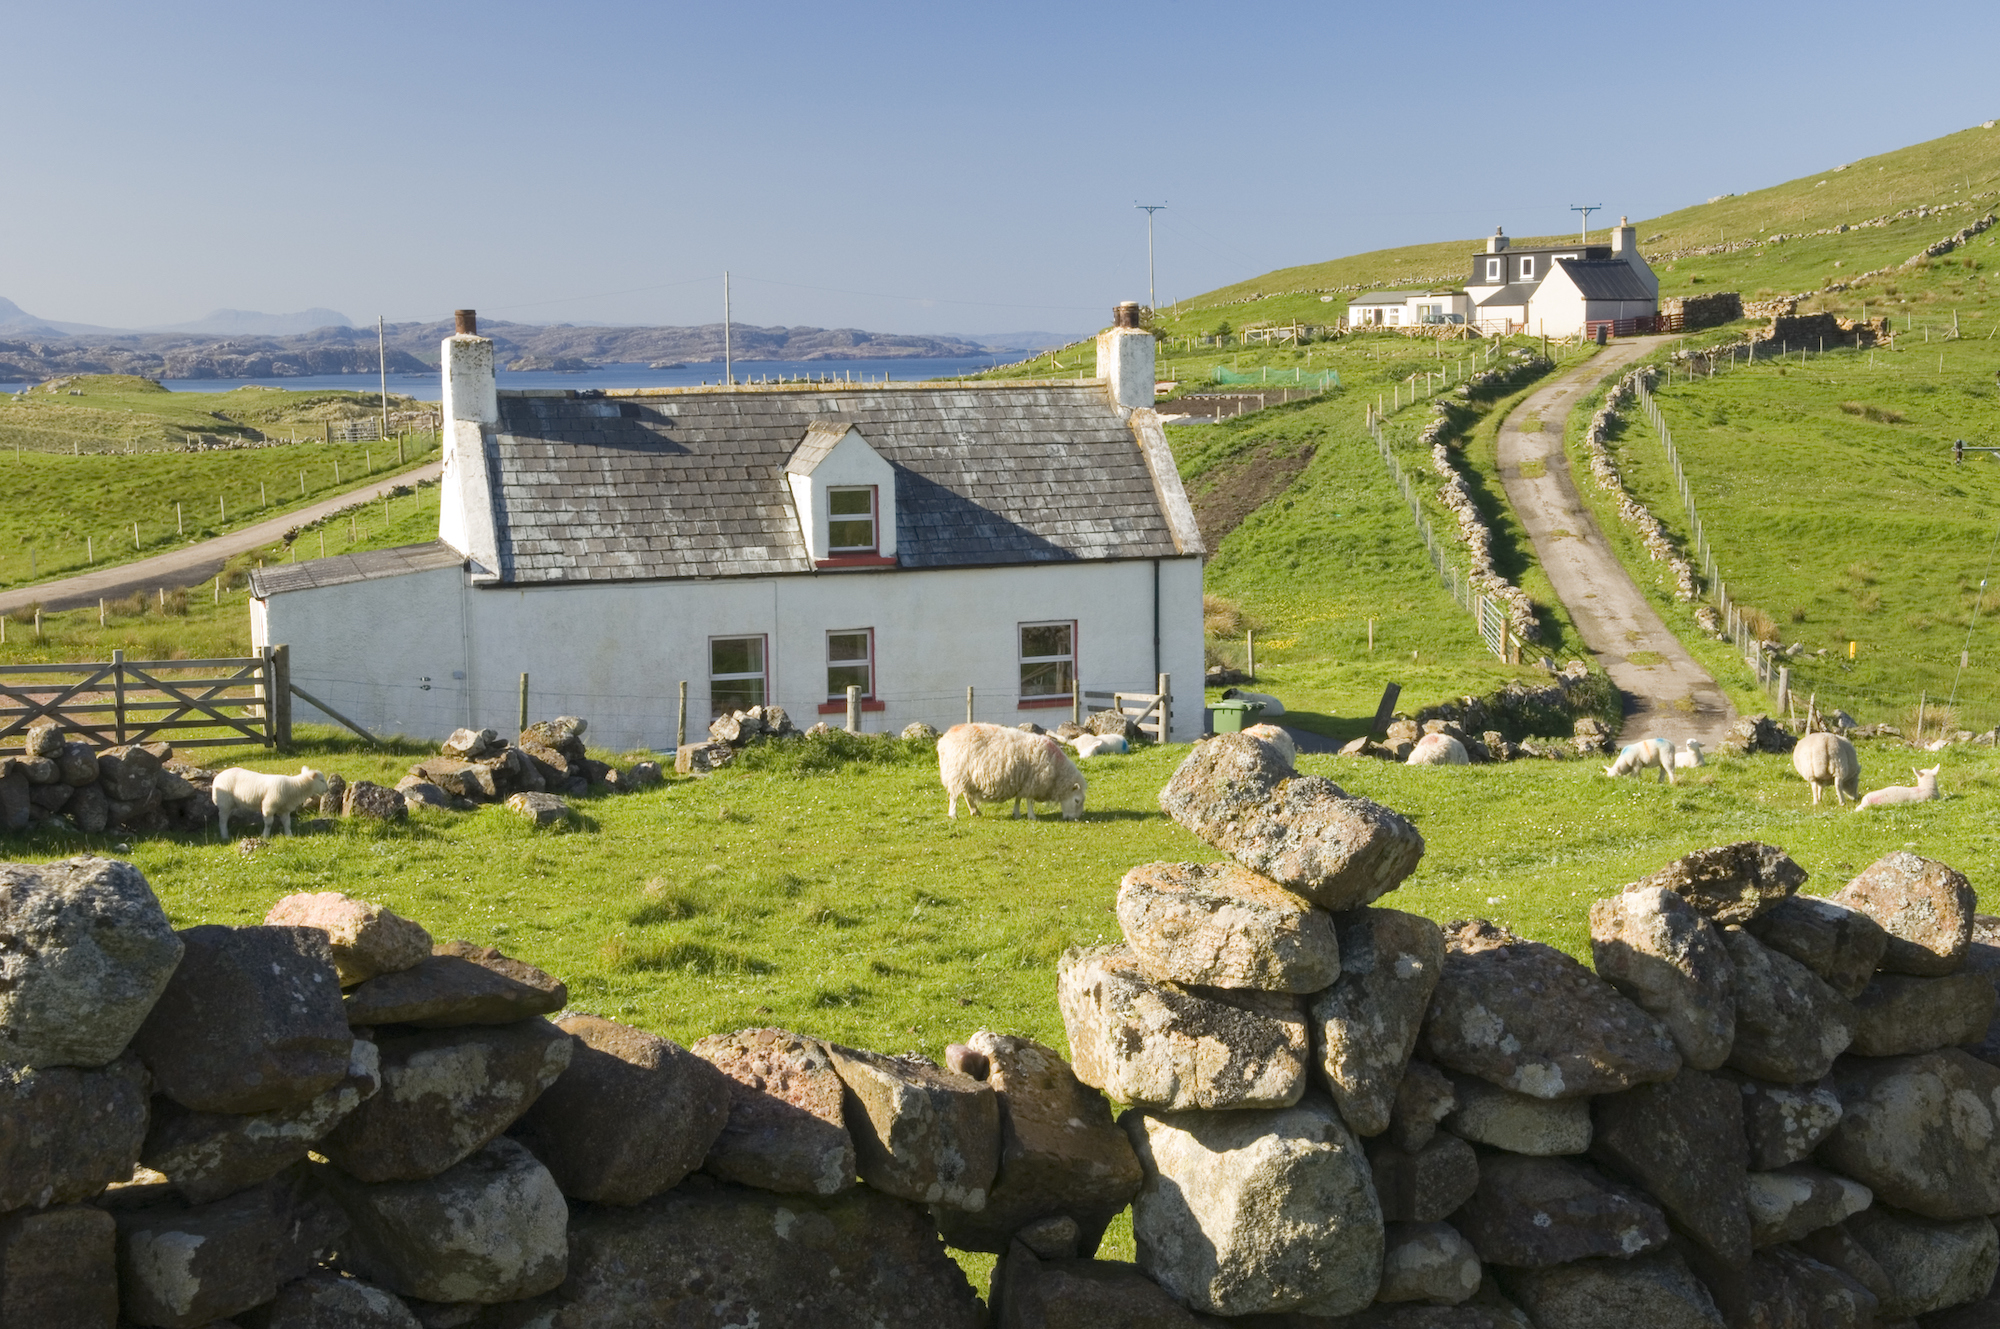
(1758, 1108)
(1660, 546)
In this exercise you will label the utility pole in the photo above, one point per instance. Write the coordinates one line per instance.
(728, 374)
(382, 361)
(1583, 233)
(1152, 300)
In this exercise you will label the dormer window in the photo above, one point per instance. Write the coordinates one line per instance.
(850, 526)
(1493, 269)
(1527, 269)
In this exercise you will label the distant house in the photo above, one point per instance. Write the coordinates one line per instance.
(767, 545)
(1393, 309)
(1564, 290)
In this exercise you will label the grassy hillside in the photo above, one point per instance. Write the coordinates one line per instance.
(65, 513)
(114, 412)
(1959, 173)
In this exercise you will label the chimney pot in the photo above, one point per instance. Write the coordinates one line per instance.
(467, 321)
(1126, 315)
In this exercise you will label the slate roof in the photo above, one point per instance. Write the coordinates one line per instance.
(342, 568)
(1386, 297)
(650, 485)
(1610, 279)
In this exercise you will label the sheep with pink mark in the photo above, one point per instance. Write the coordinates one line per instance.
(1923, 791)
(990, 763)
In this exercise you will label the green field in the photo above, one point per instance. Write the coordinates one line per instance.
(122, 412)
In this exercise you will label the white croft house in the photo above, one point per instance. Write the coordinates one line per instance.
(1564, 290)
(767, 544)
(1393, 309)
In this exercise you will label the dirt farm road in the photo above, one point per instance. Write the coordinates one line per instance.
(1671, 696)
(196, 563)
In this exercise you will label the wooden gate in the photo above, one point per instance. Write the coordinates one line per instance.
(189, 703)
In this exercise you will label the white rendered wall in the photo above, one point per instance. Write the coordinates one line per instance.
(422, 654)
(1126, 360)
(471, 408)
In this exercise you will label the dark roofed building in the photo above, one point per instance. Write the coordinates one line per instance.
(768, 544)
(1564, 290)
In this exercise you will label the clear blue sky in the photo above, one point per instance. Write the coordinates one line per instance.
(915, 168)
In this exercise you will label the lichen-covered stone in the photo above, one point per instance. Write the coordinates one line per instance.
(1841, 945)
(445, 1093)
(1538, 1212)
(1922, 1132)
(491, 1229)
(1789, 1024)
(181, 1265)
(1924, 906)
(1731, 883)
(373, 802)
(1792, 1202)
(207, 1155)
(1163, 1045)
(1221, 925)
(1930, 1265)
(366, 939)
(59, 1268)
(1683, 1141)
(785, 1130)
(85, 951)
(67, 1133)
(708, 1253)
(459, 984)
(1653, 946)
(1061, 1155)
(539, 809)
(1256, 1212)
(1527, 1017)
(1784, 1123)
(1656, 1291)
(631, 1116)
(1422, 1185)
(920, 1132)
(1900, 1014)
(1423, 1099)
(1365, 1026)
(1304, 832)
(1519, 1123)
(1427, 1262)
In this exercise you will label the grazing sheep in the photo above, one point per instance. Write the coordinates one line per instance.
(1091, 745)
(1277, 738)
(276, 797)
(1272, 706)
(1689, 756)
(1923, 791)
(1636, 757)
(992, 763)
(1828, 759)
(1437, 750)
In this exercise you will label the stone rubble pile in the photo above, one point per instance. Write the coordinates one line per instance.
(1756, 1108)
(532, 777)
(733, 732)
(1500, 725)
(1660, 546)
(58, 783)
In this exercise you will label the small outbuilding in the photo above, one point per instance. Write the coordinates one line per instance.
(1402, 309)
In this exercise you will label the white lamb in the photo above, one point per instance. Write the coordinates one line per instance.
(1689, 756)
(1636, 757)
(1828, 759)
(1923, 791)
(276, 797)
(1272, 706)
(991, 763)
(1093, 745)
(1437, 750)
(1278, 738)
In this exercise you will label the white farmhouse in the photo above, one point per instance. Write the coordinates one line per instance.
(1401, 309)
(1564, 290)
(767, 544)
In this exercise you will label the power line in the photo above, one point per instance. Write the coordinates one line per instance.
(1583, 233)
(1152, 298)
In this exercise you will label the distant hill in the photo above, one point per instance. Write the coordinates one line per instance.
(250, 323)
(18, 322)
(1890, 203)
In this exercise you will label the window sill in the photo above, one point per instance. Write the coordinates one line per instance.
(840, 707)
(1043, 703)
(855, 561)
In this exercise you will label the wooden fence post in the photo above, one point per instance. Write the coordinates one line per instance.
(278, 688)
(1165, 684)
(1076, 701)
(968, 704)
(681, 728)
(853, 708)
(117, 691)
(524, 703)
(1250, 650)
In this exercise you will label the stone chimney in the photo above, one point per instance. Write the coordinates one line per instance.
(1625, 245)
(1125, 359)
(1624, 238)
(1497, 242)
(471, 410)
